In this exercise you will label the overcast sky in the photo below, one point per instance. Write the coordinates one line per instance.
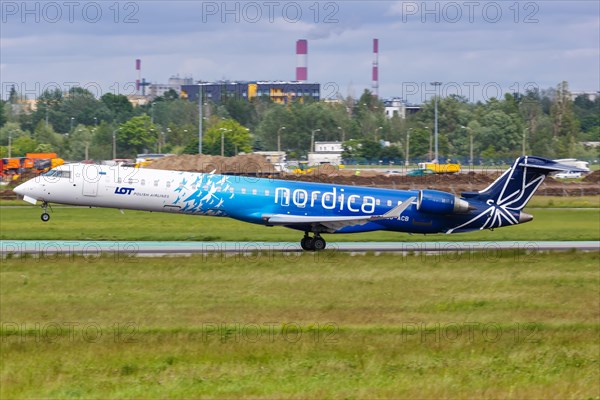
(477, 49)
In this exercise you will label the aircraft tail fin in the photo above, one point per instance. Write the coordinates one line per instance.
(514, 188)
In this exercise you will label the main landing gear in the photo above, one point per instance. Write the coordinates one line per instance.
(314, 243)
(45, 216)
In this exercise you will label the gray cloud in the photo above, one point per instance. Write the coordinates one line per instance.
(541, 42)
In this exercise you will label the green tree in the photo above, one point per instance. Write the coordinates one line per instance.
(49, 109)
(235, 138)
(81, 105)
(80, 141)
(138, 135)
(102, 140)
(23, 145)
(564, 124)
(45, 135)
(3, 117)
(12, 129)
(119, 106)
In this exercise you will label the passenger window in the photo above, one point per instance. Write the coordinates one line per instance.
(254, 191)
(168, 184)
(143, 182)
(243, 190)
(389, 203)
(266, 192)
(378, 202)
(156, 183)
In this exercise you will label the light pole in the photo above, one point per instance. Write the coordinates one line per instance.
(312, 140)
(95, 121)
(470, 131)
(72, 120)
(223, 130)
(377, 131)
(343, 134)
(279, 138)
(114, 147)
(9, 144)
(435, 85)
(199, 119)
(406, 162)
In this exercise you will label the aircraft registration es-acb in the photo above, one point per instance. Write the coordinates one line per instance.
(314, 208)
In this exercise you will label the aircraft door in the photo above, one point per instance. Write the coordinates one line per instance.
(91, 178)
(90, 188)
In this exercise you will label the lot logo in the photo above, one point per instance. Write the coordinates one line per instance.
(124, 190)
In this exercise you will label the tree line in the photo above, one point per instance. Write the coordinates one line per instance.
(77, 125)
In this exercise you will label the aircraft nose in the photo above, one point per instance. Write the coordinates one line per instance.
(524, 217)
(21, 189)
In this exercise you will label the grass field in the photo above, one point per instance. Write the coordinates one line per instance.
(108, 224)
(510, 325)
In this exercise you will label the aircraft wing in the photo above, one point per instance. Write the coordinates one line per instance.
(335, 223)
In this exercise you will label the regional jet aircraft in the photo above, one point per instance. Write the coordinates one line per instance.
(313, 208)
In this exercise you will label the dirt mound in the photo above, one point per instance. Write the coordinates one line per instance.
(247, 164)
(594, 177)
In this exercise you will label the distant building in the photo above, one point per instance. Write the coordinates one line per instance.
(24, 106)
(326, 153)
(592, 96)
(278, 91)
(397, 106)
(277, 158)
(175, 83)
(138, 100)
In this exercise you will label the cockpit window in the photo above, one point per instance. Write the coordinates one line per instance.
(56, 173)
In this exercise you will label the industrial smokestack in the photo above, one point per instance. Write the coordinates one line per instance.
(301, 62)
(138, 68)
(375, 73)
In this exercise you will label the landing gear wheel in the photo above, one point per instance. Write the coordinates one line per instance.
(318, 243)
(315, 243)
(307, 243)
(45, 216)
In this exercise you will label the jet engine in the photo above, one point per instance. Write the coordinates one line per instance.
(436, 202)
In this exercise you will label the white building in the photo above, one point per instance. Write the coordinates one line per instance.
(397, 106)
(175, 83)
(326, 153)
(277, 158)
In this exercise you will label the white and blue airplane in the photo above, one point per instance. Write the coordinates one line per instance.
(314, 208)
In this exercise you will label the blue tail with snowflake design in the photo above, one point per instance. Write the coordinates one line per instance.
(515, 187)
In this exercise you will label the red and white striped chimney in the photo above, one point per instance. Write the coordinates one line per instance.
(301, 60)
(375, 73)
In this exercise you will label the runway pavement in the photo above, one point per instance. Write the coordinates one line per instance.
(140, 248)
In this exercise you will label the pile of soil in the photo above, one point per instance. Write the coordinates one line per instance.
(257, 165)
(247, 164)
(594, 177)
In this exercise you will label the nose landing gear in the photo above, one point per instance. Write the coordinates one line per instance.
(315, 243)
(45, 216)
